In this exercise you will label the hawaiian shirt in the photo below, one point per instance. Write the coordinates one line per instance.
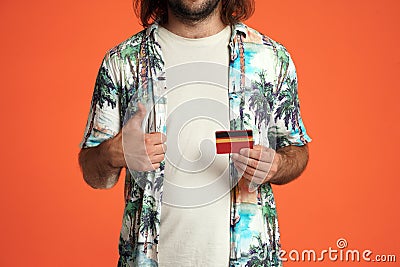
(263, 97)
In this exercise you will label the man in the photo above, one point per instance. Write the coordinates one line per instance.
(242, 81)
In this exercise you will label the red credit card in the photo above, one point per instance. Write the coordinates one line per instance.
(233, 141)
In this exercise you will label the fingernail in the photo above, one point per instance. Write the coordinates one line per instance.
(252, 187)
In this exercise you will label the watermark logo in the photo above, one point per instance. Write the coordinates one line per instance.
(341, 243)
(340, 253)
(194, 175)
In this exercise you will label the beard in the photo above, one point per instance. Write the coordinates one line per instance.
(192, 12)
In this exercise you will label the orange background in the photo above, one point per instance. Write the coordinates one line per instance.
(347, 57)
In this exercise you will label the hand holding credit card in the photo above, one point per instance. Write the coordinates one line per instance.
(233, 141)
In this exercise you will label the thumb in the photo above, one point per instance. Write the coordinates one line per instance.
(258, 147)
(262, 148)
(137, 119)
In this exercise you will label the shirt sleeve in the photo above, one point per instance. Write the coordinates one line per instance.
(287, 127)
(104, 116)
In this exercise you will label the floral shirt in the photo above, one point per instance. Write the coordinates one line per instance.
(263, 97)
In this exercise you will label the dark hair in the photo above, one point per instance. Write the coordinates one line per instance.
(232, 11)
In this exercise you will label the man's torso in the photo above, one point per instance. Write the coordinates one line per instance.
(194, 225)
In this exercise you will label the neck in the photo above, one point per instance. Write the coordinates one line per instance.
(195, 29)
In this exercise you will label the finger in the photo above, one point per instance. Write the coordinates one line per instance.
(253, 186)
(262, 154)
(256, 164)
(256, 173)
(151, 167)
(252, 171)
(159, 149)
(155, 138)
(138, 117)
(163, 148)
(238, 168)
(243, 173)
(156, 166)
(252, 180)
(250, 153)
(161, 136)
(258, 147)
(157, 158)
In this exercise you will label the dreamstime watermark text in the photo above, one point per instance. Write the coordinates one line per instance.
(340, 253)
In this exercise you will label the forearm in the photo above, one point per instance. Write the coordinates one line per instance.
(293, 160)
(101, 165)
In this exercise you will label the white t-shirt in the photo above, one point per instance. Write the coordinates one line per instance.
(194, 226)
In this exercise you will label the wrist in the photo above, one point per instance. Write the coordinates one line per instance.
(278, 162)
(114, 152)
(280, 159)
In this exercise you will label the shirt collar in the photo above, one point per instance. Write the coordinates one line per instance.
(239, 27)
(236, 28)
(152, 28)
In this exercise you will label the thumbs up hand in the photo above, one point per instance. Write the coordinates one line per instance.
(135, 149)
